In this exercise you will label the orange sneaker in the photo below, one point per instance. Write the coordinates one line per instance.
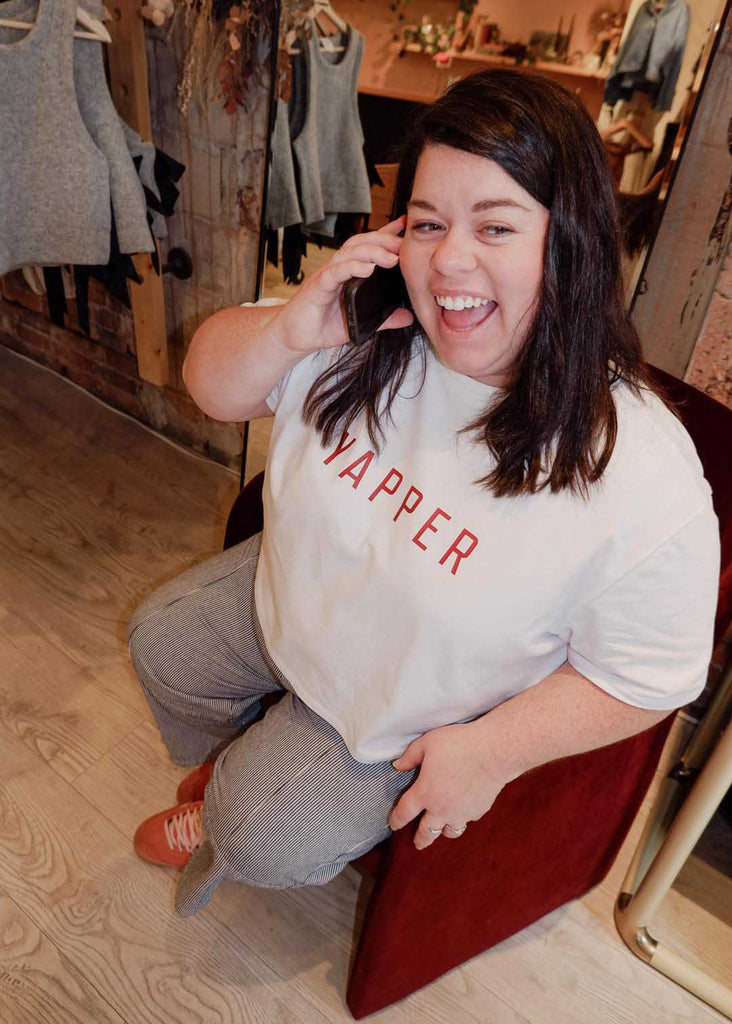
(172, 836)
(193, 785)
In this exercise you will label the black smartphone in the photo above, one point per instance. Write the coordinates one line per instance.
(369, 301)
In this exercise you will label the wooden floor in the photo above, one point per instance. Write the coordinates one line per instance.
(95, 511)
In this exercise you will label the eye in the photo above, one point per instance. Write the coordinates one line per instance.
(497, 230)
(426, 227)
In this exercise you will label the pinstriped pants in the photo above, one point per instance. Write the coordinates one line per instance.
(287, 805)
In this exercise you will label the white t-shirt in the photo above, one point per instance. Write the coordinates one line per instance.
(396, 595)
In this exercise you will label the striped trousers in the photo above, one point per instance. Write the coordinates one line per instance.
(287, 804)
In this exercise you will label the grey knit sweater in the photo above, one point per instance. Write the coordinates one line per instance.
(54, 181)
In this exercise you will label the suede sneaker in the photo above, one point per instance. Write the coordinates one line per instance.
(172, 836)
(192, 787)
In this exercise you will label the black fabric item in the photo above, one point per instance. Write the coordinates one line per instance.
(297, 103)
(622, 87)
(120, 269)
(55, 295)
(150, 198)
(273, 247)
(113, 275)
(294, 248)
(374, 176)
(167, 172)
(346, 224)
(669, 138)
(385, 126)
(81, 282)
(151, 203)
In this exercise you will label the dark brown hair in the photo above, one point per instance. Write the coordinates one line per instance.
(554, 424)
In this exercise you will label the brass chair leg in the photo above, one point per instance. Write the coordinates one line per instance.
(634, 911)
(679, 780)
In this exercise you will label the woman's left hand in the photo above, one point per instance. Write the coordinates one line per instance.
(458, 782)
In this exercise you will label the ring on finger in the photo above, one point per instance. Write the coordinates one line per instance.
(434, 831)
(454, 829)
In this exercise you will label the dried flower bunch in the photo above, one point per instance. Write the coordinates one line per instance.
(228, 53)
(248, 22)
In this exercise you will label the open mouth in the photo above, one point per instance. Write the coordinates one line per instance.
(464, 312)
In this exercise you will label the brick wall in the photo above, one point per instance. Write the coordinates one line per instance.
(224, 159)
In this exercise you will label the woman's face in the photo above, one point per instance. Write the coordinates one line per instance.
(472, 258)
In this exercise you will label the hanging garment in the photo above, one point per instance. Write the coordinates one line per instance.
(143, 157)
(114, 275)
(168, 171)
(283, 204)
(329, 149)
(283, 195)
(55, 294)
(650, 58)
(54, 181)
(104, 125)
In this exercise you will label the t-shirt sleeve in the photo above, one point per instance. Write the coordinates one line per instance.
(647, 638)
(273, 397)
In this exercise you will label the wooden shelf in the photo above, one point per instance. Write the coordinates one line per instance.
(541, 65)
(550, 67)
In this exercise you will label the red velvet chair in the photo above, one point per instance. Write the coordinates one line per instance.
(551, 835)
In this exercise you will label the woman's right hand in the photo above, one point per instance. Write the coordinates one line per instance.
(314, 318)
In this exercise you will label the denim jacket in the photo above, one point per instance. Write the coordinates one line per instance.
(652, 51)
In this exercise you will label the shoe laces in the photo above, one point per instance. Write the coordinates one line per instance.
(184, 831)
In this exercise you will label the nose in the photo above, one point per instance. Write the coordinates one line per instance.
(453, 254)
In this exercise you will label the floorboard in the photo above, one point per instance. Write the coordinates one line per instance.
(41, 986)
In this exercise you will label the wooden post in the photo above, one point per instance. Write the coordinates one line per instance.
(129, 84)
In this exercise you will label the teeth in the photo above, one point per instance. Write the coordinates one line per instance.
(460, 301)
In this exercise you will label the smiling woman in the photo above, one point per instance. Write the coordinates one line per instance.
(487, 544)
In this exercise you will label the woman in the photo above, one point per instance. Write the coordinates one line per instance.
(487, 542)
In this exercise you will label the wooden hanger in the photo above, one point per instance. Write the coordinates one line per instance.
(95, 28)
(322, 8)
(625, 125)
(319, 9)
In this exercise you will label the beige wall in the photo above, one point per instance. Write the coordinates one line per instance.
(516, 19)
(519, 20)
(414, 76)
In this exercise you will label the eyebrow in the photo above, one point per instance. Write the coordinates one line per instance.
(484, 204)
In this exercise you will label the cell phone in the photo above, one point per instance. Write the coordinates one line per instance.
(369, 301)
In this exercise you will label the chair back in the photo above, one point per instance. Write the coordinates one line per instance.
(710, 425)
(247, 515)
